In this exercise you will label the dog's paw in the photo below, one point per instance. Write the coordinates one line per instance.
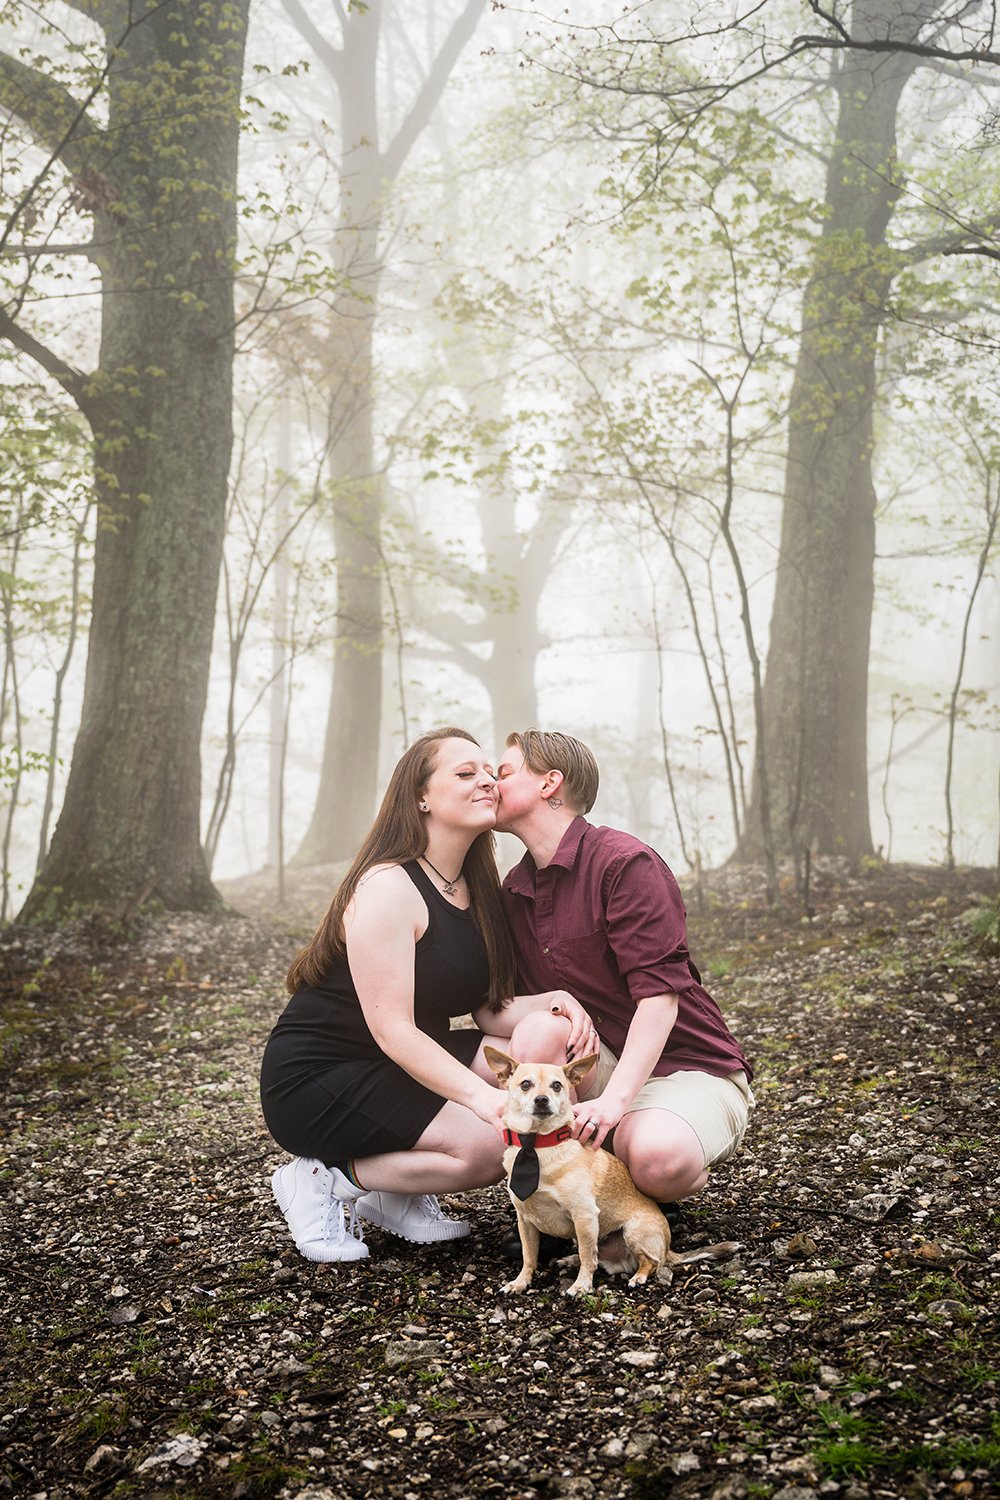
(579, 1288)
(519, 1284)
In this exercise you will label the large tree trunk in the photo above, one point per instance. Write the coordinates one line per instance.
(160, 406)
(522, 563)
(508, 589)
(816, 686)
(345, 798)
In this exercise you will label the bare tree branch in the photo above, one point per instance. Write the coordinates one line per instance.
(919, 50)
(50, 112)
(74, 382)
(988, 250)
(955, 242)
(433, 86)
(330, 56)
(30, 251)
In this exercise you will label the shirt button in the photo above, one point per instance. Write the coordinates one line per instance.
(545, 950)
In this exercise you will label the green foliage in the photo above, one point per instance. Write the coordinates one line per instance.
(982, 923)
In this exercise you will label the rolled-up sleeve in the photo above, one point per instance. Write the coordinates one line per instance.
(646, 926)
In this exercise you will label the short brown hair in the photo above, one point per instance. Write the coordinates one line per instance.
(548, 750)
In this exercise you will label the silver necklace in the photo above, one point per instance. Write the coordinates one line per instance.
(450, 888)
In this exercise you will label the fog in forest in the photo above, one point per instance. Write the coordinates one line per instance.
(636, 378)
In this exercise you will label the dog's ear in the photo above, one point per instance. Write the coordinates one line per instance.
(502, 1065)
(579, 1069)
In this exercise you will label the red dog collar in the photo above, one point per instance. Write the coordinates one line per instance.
(554, 1137)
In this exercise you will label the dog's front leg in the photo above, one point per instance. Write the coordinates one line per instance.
(585, 1228)
(530, 1240)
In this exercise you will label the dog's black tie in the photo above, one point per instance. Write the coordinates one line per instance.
(524, 1173)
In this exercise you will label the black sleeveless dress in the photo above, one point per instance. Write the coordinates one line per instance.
(327, 1089)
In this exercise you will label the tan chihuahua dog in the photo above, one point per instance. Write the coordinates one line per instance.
(563, 1188)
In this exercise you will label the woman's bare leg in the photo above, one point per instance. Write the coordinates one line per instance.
(457, 1150)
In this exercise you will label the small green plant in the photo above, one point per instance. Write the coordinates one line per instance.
(391, 1409)
(848, 1424)
(983, 926)
(441, 1403)
(249, 1269)
(208, 1315)
(33, 986)
(262, 1473)
(844, 1457)
(107, 1417)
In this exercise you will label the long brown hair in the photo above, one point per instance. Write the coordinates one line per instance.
(398, 834)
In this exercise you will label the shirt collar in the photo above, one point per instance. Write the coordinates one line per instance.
(521, 879)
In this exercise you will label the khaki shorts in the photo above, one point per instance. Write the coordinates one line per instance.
(717, 1109)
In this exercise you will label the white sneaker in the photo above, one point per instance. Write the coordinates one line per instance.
(319, 1207)
(413, 1217)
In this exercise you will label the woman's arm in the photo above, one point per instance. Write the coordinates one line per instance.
(381, 926)
(501, 1023)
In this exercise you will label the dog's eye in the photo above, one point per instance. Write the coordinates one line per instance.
(556, 1086)
(526, 1086)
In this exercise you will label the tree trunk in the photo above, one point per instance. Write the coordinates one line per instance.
(160, 406)
(520, 562)
(816, 685)
(345, 798)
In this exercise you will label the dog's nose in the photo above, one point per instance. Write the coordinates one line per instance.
(542, 1106)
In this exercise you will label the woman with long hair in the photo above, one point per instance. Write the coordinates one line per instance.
(381, 1104)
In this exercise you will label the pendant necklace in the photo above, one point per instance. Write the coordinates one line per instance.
(450, 888)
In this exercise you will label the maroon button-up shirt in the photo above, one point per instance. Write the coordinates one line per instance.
(605, 921)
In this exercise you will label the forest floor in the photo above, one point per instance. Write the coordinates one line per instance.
(161, 1337)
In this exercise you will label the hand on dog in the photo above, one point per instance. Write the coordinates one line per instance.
(582, 1039)
(490, 1107)
(593, 1118)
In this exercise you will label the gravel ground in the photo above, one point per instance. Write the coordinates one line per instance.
(161, 1337)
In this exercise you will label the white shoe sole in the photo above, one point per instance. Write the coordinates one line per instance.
(436, 1234)
(324, 1254)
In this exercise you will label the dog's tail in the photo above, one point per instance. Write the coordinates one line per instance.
(707, 1252)
(724, 1248)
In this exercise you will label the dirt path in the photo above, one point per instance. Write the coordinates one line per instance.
(162, 1337)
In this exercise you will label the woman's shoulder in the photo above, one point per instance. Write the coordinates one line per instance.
(386, 888)
(382, 879)
(390, 868)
